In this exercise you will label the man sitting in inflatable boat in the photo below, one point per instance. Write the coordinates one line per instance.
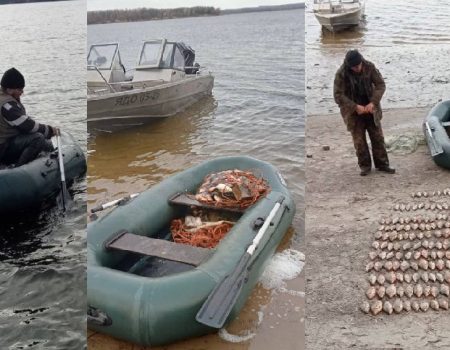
(21, 138)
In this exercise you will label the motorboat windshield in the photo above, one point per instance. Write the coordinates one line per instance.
(163, 54)
(150, 55)
(103, 56)
(104, 66)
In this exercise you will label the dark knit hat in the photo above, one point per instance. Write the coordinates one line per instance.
(353, 58)
(13, 79)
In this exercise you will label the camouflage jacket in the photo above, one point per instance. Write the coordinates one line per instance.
(344, 92)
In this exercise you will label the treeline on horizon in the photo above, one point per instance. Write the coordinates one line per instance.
(7, 2)
(148, 14)
(295, 6)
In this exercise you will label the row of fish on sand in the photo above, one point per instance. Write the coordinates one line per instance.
(408, 266)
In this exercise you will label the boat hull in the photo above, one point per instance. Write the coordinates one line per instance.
(30, 185)
(118, 110)
(438, 115)
(161, 310)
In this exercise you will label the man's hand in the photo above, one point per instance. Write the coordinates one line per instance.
(360, 109)
(369, 108)
(54, 130)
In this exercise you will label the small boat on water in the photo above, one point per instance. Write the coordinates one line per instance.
(165, 81)
(145, 288)
(436, 128)
(337, 15)
(31, 185)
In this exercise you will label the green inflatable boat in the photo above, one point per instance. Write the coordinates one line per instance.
(144, 288)
(31, 185)
(437, 133)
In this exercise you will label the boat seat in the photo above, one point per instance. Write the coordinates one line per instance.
(183, 198)
(130, 242)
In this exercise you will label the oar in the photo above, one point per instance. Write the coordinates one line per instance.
(220, 302)
(63, 197)
(113, 203)
(435, 148)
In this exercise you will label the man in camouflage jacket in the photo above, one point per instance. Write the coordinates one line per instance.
(358, 88)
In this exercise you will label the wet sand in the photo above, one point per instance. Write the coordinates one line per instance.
(342, 215)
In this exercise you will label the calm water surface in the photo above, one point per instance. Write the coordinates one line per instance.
(43, 258)
(409, 42)
(257, 109)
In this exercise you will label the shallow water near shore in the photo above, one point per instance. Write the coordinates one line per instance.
(257, 109)
(42, 255)
(408, 41)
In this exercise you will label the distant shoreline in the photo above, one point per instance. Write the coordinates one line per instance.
(13, 2)
(150, 14)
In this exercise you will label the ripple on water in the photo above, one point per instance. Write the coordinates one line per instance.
(42, 255)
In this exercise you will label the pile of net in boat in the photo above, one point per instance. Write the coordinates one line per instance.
(234, 189)
(198, 233)
(230, 189)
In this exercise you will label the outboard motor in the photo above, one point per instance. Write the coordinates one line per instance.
(189, 58)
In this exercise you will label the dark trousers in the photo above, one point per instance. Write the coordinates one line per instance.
(365, 123)
(24, 148)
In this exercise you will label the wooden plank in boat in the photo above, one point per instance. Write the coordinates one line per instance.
(130, 242)
(183, 198)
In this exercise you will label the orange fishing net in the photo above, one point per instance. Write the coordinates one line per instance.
(232, 189)
(207, 235)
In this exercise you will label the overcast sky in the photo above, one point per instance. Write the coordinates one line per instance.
(93, 5)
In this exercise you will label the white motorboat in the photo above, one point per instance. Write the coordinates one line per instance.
(336, 15)
(165, 82)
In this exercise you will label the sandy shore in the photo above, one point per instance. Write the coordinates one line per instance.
(342, 215)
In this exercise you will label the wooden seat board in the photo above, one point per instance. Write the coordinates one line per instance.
(129, 242)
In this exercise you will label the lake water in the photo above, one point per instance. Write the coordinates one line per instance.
(408, 41)
(257, 109)
(43, 259)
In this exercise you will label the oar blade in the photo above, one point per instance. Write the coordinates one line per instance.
(64, 200)
(434, 146)
(216, 309)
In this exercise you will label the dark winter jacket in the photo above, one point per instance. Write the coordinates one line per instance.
(348, 88)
